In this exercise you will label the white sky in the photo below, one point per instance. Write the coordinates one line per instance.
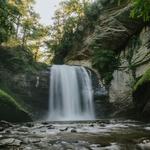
(46, 9)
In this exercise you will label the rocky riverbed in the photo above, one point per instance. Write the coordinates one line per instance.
(93, 135)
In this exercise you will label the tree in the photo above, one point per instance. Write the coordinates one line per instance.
(66, 21)
(8, 17)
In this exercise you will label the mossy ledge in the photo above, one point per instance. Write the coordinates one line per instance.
(145, 78)
(10, 110)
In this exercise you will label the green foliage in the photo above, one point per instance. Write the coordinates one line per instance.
(8, 15)
(15, 59)
(105, 62)
(141, 9)
(67, 27)
(18, 60)
(19, 26)
(145, 78)
(10, 110)
(93, 10)
(133, 46)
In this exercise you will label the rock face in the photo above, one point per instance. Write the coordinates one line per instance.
(115, 30)
(101, 103)
(10, 110)
(141, 96)
(31, 90)
(120, 91)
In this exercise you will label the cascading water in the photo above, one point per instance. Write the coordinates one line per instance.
(70, 94)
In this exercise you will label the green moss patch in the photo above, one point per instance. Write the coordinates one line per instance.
(10, 110)
(145, 78)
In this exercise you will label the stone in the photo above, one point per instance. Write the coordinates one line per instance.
(45, 123)
(34, 140)
(5, 124)
(50, 127)
(27, 90)
(91, 125)
(113, 31)
(29, 124)
(27, 148)
(1, 129)
(10, 142)
(65, 129)
(143, 146)
(73, 130)
(23, 129)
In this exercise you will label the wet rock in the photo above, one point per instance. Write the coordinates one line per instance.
(95, 146)
(45, 123)
(50, 127)
(64, 129)
(5, 124)
(73, 130)
(143, 146)
(7, 131)
(29, 124)
(91, 125)
(10, 142)
(42, 130)
(1, 129)
(34, 140)
(27, 148)
(23, 129)
(102, 125)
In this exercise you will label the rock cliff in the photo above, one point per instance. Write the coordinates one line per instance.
(130, 40)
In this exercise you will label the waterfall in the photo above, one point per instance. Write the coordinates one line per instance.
(70, 94)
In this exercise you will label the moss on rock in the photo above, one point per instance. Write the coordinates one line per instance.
(145, 78)
(10, 110)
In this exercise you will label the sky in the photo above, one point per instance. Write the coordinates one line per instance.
(46, 9)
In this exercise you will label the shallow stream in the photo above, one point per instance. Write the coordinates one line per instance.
(86, 135)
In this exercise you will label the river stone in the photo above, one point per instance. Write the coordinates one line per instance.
(29, 124)
(5, 124)
(23, 129)
(142, 146)
(34, 140)
(10, 142)
(73, 130)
